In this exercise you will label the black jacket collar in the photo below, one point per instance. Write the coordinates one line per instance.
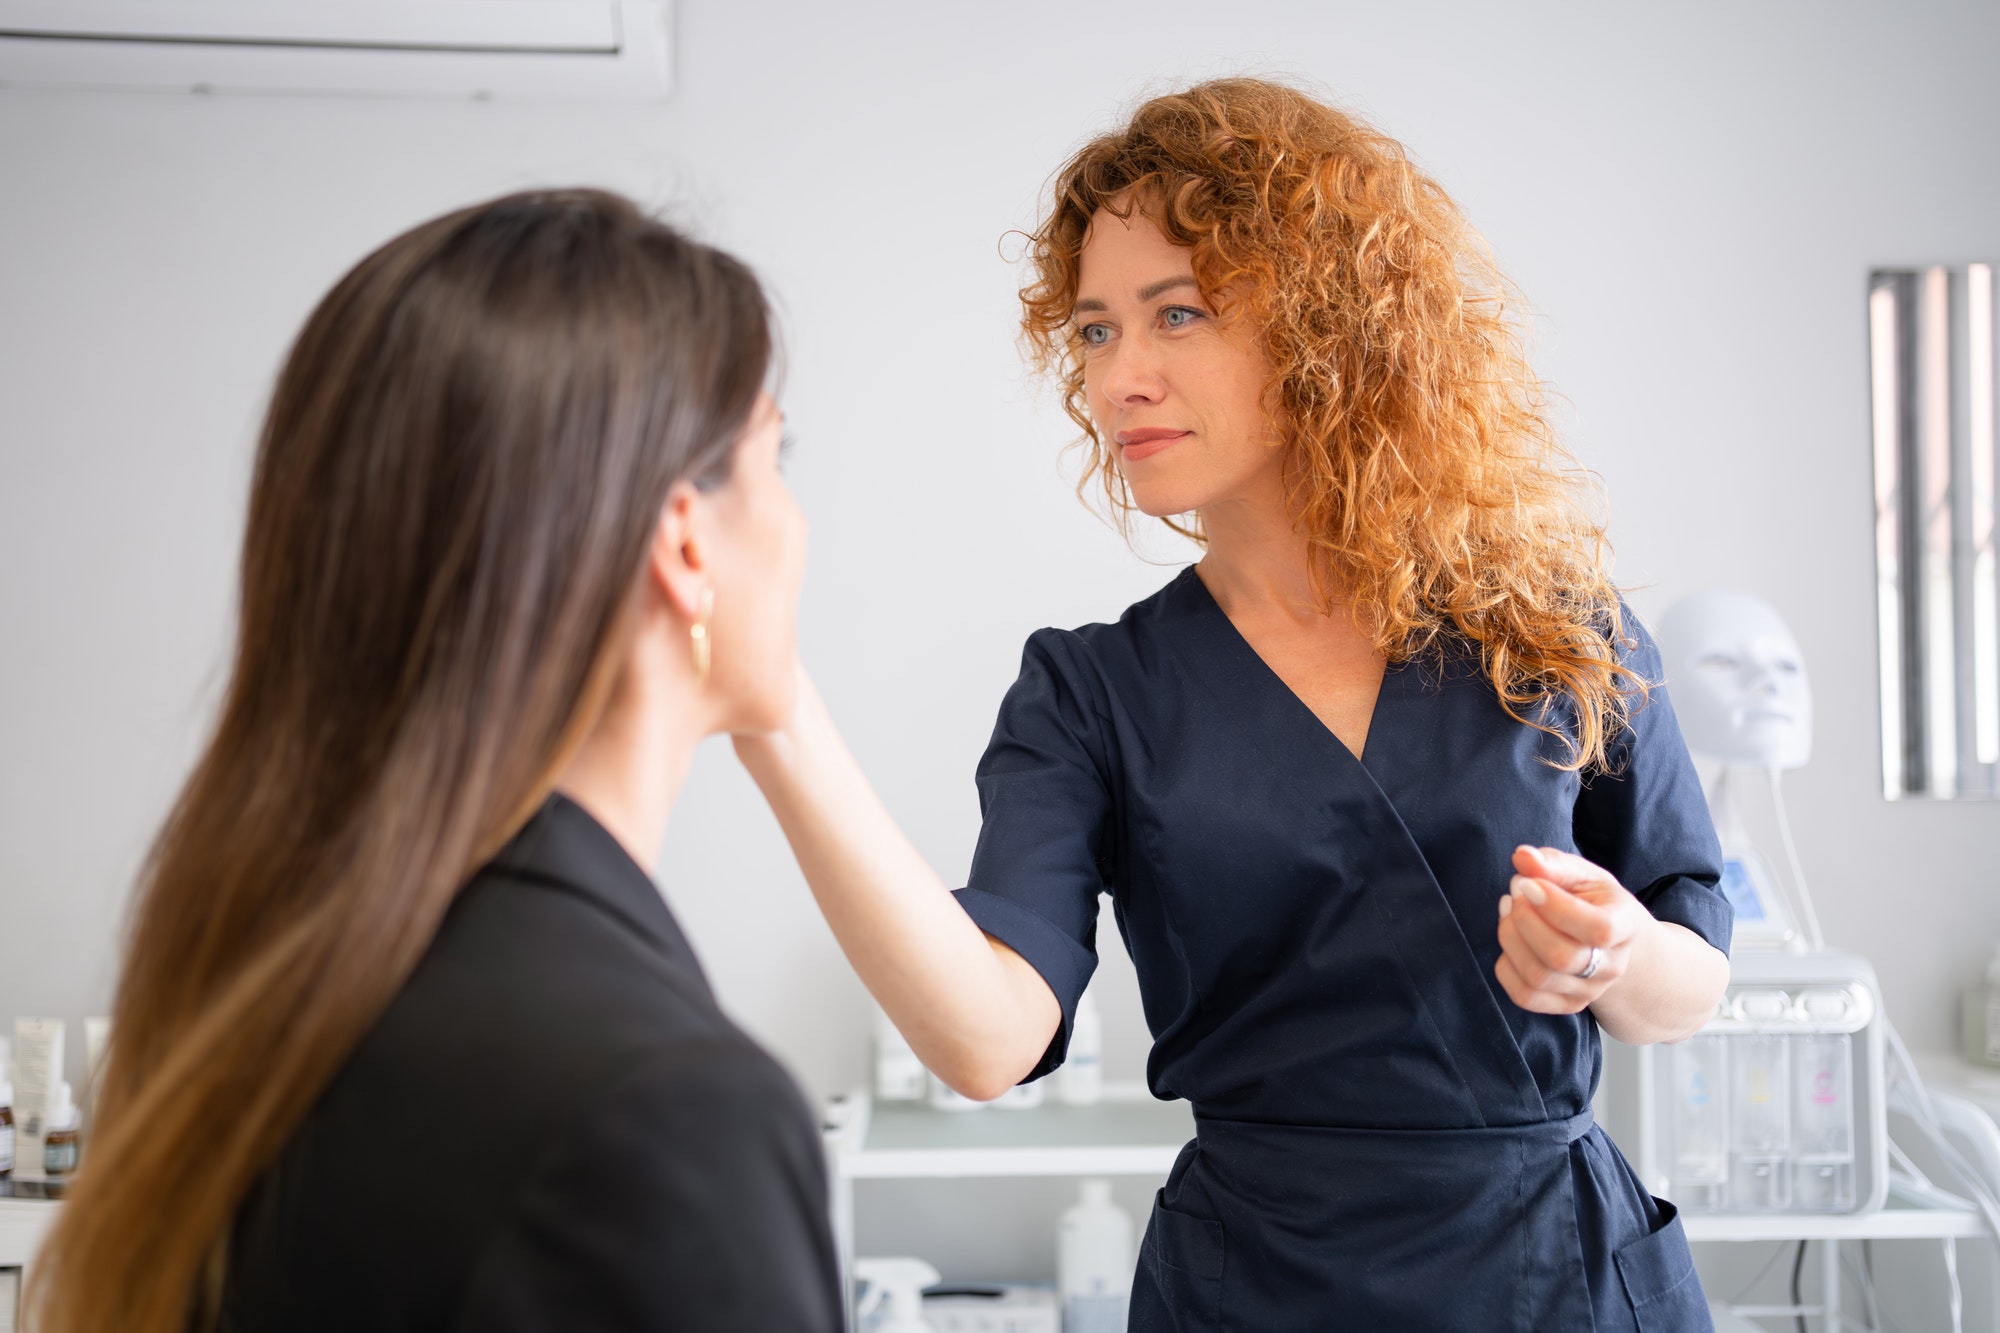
(563, 847)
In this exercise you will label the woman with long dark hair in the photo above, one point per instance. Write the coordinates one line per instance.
(406, 1037)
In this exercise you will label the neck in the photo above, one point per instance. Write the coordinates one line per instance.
(632, 767)
(1256, 558)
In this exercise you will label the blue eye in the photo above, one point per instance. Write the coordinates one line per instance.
(1096, 335)
(1179, 316)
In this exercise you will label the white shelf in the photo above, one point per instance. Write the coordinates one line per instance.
(1128, 1133)
(22, 1225)
(1898, 1220)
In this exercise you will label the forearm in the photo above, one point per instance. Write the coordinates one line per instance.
(1671, 986)
(973, 1010)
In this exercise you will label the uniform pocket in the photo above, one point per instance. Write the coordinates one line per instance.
(1185, 1255)
(1660, 1281)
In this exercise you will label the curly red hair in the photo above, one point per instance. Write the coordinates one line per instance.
(1423, 467)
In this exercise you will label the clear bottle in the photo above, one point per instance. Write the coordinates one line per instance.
(1823, 1122)
(63, 1142)
(1094, 1259)
(1701, 1123)
(1760, 1102)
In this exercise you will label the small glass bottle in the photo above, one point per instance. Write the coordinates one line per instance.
(6, 1125)
(64, 1140)
(1701, 1123)
(6, 1108)
(1760, 1100)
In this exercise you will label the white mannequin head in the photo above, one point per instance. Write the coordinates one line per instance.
(1738, 680)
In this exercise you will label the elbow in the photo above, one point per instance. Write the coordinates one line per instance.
(981, 1079)
(1674, 1036)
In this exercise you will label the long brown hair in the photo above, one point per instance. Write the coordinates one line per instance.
(1423, 468)
(464, 461)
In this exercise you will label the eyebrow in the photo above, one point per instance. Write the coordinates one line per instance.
(1146, 293)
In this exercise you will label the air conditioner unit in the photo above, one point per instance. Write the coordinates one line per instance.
(582, 49)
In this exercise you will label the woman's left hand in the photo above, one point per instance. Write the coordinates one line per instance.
(1560, 909)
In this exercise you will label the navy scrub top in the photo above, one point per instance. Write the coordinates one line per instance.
(1384, 1139)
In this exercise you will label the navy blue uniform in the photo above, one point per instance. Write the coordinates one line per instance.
(1384, 1139)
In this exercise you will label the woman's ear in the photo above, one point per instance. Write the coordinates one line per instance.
(678, 564)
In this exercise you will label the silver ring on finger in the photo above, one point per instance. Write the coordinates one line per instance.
(1596, 961)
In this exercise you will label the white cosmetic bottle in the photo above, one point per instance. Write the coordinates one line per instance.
(1094, 1260)
(1080, 1081)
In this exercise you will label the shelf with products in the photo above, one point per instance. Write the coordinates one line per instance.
(23, 1223)
(1127, 1132)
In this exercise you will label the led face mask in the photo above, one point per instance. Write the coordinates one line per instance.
(1738, 680)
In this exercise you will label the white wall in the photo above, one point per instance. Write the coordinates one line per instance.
(1690, 194)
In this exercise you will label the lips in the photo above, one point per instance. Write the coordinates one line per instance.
(1145, 441)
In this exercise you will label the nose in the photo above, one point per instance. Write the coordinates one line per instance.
(1759, 681)
(1129, 376)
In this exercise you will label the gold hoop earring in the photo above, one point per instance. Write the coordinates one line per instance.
(698, 636)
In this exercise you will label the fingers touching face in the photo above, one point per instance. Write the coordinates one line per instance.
(732, 559)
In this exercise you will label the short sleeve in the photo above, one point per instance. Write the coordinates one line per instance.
(1645, 819)
(691, 1196)
(1045, 803)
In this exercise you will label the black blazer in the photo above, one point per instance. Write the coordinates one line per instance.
(552, 1127)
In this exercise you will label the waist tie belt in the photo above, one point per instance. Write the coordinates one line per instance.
(1553, 1133)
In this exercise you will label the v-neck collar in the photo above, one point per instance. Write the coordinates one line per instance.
(1246, 658)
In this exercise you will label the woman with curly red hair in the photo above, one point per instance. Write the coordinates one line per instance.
(1392, 809)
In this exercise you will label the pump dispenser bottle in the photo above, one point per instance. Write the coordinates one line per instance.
(1094, 1259)
(1080, 1081)
(894, 1295)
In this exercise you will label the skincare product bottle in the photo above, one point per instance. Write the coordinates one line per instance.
(6, 1113)
(1094, 1260)
(38, 1062)
(1080, 1081)
(63, 1138)
(899, 1075)
(1980, 1021)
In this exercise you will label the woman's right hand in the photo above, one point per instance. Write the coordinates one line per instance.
(976, 1012)
(760, 750)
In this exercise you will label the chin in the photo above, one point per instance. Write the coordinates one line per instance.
(1165, 501)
